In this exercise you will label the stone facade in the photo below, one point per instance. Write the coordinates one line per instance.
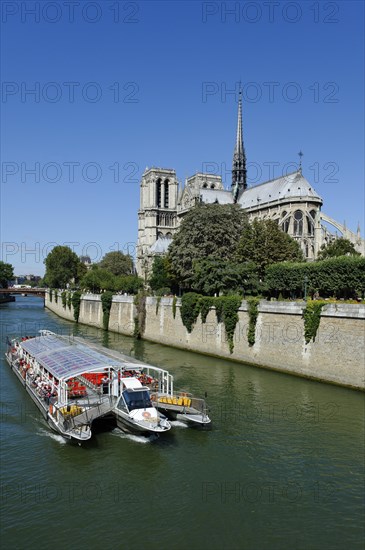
(157, 216)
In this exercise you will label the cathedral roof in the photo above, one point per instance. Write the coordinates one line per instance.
(283, 188)
(286, 187)
(216, 195)
(161, 245)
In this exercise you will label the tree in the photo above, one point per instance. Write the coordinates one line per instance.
(130, 284)
(207, 232)
(263, 243)
(62, 266)
(117, 263)
(81, 270)
(6, 274)
(97, 279)
(217, 276)
(339, 247)
(160, 276)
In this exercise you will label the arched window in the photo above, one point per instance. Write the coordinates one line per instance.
(212, 186)
(158, 192)
(284, 214)
(310, 225)
(298, 222)
(166, 197)
(205, 185)
(286, 224)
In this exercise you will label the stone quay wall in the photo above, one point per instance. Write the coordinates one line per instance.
(336, 355)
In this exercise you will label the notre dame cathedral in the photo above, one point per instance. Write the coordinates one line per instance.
(290, 200)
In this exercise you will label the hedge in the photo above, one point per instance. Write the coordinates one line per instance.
(341, 277)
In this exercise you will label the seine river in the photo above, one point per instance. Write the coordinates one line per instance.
(282, 466)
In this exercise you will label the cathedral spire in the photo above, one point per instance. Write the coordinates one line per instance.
(239, 183)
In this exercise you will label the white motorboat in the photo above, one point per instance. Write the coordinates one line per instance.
(175, 405)
(135, 411)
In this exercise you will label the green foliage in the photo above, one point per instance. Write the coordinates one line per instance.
(131, 284)
(219, 302)
(56, 296)
(206, 302)
(64, 299)
(263, 243)
(140, 318)
(158, 300)
(69, 300)
(343, 277)
(6, 274)
(62, 266)
(33, 284)
(174, 307)
(81, 271)
(189, 309)
(231, 305)
(117, 263)
(106, 304)
(226, 309)
(160, 277)
(312, 318)
(253, 313)
(339, 247)
(162, 291)
(76, 301)
(207, 232)
(50, 295)
(97, 279)
(217, 276)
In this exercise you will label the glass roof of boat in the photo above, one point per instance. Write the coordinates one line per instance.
(43, 343)
(64, 359)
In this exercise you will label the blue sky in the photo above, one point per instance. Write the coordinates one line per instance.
(124, 85)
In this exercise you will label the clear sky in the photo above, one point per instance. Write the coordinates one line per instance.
(118, 86)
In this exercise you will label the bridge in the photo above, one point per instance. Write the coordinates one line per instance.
(28, 291)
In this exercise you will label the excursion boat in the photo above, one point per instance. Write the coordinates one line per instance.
(73, 383)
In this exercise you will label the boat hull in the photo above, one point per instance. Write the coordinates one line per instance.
(44, 409)
(126, 423)
(179, 412)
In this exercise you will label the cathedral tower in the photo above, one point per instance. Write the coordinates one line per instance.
(156, 216)
(239, 174)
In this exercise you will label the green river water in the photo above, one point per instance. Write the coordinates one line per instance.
(281, 467)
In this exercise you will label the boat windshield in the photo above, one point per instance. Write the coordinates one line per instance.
(137, 399)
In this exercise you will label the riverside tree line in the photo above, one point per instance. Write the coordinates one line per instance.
(216, 251)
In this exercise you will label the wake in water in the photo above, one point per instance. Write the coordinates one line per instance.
(132, 437)
(55, 437)
(178, 424)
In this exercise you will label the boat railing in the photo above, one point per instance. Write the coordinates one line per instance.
(33, 391)
(72, 417)
(91, 413)
(199, 404)
(90, 385)
(183, 399)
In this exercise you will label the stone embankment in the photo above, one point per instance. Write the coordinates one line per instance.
(336, 355)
